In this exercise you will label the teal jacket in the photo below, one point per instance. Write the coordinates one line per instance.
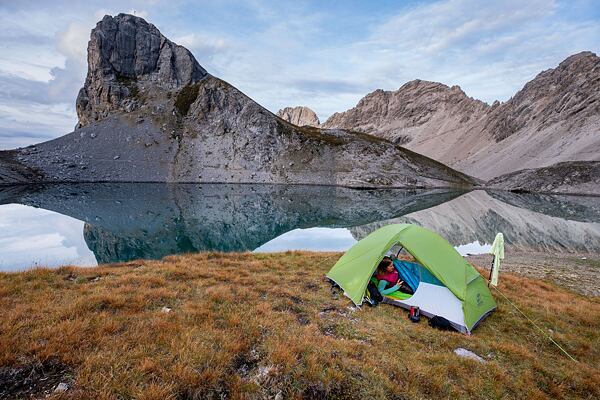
(381, 287)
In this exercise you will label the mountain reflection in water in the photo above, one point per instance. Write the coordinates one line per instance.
(479, 215)
(129, 221)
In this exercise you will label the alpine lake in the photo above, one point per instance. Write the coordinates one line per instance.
(94, 223)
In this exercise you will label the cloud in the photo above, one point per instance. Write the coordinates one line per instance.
(202, 43)
(37, 107)
(490, 49)
(326, 86)
(72, 41)
(315, 239)
(40, 237)
(310, 53)
(25, 123)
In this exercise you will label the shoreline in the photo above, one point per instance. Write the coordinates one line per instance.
(460, 188)
(578, 272)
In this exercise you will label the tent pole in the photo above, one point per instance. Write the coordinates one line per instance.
(399, 251)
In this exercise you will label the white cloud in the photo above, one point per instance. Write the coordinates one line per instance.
(201, 42)
(38, 237)
(72, 41)
(314, 239)
(490, 49)
(302, 53)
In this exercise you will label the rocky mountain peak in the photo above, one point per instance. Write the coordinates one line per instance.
(300, 115)
(553, 118)
(403, 115)
(124, 52)
(149, 113)
(569, 92)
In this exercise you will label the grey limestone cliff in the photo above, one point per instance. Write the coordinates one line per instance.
(126, 52)
(416, 111)
(299, 115)
(577, 177)
(554, 118)
(148, 112)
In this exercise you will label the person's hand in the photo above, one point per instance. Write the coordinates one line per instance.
(400, 282)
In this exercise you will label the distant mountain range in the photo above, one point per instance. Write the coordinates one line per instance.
(148, 112)
(554, 119)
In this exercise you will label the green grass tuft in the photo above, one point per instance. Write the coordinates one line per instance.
(185, 98)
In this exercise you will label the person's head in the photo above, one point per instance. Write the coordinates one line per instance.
(385, 266)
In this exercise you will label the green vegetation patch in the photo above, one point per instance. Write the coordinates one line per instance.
(309, 132)
(588, 262)
(186, 97)
(130, 84)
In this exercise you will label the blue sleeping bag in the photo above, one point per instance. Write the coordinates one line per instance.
(413, 273)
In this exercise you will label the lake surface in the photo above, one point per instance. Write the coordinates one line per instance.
(87, 224)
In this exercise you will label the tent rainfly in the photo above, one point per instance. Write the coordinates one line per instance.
(447, 286)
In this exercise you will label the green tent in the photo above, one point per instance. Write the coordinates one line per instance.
(456, 292)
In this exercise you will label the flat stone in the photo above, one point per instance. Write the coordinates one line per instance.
(61, 388)
(468, 354)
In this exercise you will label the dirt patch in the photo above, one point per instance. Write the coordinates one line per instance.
(34, 379)
(577, 272)
(13, 171)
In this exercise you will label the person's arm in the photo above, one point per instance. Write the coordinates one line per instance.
(383, 290)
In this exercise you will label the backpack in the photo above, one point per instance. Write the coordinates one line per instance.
(373, 295)
(440, 323)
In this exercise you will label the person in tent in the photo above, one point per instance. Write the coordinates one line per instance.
(388, 277)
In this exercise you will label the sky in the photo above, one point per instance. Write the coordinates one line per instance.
(325, 55)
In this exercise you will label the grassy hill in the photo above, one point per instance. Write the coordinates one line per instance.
(213, 325)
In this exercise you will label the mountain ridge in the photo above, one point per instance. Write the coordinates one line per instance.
(148, 112)
(554, 118)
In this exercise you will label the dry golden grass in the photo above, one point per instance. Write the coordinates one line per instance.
(253, 325)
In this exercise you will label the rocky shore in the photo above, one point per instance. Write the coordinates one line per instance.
(579, 272)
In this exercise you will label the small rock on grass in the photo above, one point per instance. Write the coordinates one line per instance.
(61, 388)
(166, 310)
(468, 354)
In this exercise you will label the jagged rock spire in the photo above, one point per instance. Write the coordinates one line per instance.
(124, 51)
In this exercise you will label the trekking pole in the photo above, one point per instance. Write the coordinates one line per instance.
(491, 270)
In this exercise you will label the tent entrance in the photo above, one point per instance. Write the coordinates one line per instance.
(430, 294)
(411, 271)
